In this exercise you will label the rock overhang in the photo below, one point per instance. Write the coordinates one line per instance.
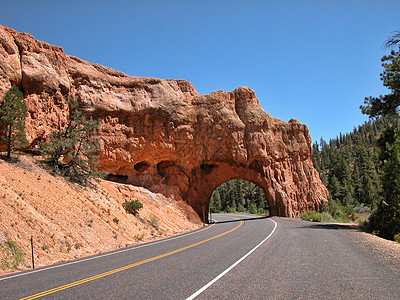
(160, 133)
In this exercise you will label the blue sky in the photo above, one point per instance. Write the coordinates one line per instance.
(312, 60)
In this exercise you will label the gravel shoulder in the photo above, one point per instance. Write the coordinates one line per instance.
(385, 251)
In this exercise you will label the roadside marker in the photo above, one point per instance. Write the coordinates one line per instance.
(203, 209)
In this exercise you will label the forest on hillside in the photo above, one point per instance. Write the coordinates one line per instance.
(350, 167)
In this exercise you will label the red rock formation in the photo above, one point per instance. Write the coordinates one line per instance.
(163, 135)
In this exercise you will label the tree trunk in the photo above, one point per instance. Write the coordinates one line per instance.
(9, 141)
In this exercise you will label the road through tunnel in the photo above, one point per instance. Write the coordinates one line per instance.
(238, 196)
(245, 183)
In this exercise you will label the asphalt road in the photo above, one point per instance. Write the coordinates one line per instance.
(240, 257)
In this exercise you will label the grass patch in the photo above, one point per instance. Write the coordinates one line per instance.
(139, 237)
(154, 221)
(13, 255)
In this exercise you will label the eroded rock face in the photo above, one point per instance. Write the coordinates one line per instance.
(161, 134)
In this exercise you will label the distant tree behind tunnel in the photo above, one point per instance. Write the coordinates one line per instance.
(238, 195)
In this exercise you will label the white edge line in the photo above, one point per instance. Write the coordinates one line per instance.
(232, 266)
(105, 254)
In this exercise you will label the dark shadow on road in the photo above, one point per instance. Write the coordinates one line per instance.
(238, 220)
(332, 226)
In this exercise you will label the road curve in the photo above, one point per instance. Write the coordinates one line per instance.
(240, 257)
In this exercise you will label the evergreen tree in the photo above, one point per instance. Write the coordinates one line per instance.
(386, 104)
(316, 158)
(74, 150)
(12, 115)
(238, 196)
(215, 202)
(350, 168)
(259, 199)
(386, 219)
(252, 208)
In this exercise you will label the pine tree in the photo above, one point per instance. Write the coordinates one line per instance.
(252, 208)
(12, 115)
(238, 193)
(238, 196)
(316, 157)
(386, 219)
(260, 200)
(352, 171)
(215, 201)
(74, 150)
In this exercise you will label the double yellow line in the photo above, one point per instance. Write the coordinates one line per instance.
(88, 279)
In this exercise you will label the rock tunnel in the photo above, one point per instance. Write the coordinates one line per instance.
(185, 150)
(214, 174)
(160, 133)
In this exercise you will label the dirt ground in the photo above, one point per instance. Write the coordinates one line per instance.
(68, 221)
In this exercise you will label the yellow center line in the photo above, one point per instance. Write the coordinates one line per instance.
(88, 279)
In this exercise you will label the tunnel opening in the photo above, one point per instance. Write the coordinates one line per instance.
(239, 196)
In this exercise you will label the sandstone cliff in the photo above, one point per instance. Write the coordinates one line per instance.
(161, 134)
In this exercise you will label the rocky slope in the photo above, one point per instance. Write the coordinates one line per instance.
(69, 221)
(161, 134)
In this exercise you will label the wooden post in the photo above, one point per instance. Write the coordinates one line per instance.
(33, 257)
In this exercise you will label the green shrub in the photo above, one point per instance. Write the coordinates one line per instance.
(363, 220)
(139, 237)
(154, 221)
(311, 215)
(397, 237)
(323, 207)
(132, 207)
(13, 255)
(326, 218)
(338, 212)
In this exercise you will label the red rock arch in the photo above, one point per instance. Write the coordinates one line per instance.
(214, 174)
(161, 134)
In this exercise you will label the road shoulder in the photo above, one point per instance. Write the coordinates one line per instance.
(385, 251)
